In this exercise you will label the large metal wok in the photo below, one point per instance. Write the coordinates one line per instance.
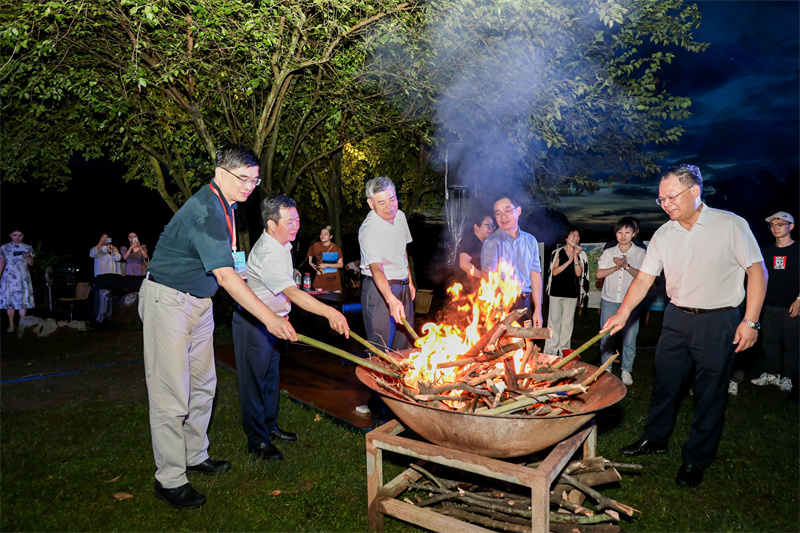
(505, 435)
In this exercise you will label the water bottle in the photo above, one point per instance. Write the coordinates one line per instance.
(307, 281)
(298, 280)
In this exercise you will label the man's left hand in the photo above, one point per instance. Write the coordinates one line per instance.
(537, 318)
(745, 337)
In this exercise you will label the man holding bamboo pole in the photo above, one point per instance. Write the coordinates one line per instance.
(705, 254)
(257, 350)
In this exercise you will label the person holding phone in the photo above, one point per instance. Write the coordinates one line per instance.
(135, 256)
(16, 285)
(106, 256)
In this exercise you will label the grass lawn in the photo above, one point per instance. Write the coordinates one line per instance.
(71, 440)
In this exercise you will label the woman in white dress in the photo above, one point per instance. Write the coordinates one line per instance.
(16, 286)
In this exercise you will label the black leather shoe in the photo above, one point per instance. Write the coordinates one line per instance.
(278, 433)
(183, 497)
(209, 467)
(266, 451)
(689, 476)
(642, 447)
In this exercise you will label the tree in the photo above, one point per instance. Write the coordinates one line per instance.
(549, 94)
(159, 85)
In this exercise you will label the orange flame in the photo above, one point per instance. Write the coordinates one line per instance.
(446, 342)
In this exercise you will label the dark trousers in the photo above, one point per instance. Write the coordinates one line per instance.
(702, 344)
(382, 330)
(780, 337)
(258, 358)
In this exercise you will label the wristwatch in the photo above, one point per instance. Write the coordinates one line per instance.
(626, 267)
(755, 325)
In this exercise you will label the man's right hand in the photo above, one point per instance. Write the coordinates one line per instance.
(281, 328)
(397, 310)
(615, 323)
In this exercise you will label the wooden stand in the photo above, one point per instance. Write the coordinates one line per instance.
(381, 498)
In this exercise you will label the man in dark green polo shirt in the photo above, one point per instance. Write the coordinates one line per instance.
(194, 256)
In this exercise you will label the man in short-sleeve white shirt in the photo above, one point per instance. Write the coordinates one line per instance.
(270, 276)
(387, 293)
(705, 254)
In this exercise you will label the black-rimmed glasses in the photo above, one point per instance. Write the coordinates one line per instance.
(253, 183)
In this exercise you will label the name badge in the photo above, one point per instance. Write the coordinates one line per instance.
(239, 264)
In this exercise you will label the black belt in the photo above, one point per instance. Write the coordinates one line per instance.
(151, 278)
(697, 311)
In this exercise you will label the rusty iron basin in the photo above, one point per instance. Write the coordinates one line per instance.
(505, 435)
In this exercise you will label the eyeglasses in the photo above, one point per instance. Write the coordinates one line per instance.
(253, 183)
(508, 211)
(659, 201)
(771, 225)
(488, 225)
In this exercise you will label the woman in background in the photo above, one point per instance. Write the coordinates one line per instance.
(135, 256)
(16, 285)
(469, 271)
(326, 258)
(567, 285)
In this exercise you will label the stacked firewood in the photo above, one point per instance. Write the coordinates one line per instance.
(575, 506)
(490, 382)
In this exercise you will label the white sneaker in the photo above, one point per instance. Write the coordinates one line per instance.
(767, 379)
(733, 388)
(627, 379)
(785, 384)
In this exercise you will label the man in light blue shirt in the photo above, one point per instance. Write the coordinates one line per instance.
(519, 249)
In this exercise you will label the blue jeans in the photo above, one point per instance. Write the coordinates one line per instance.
(629, 333)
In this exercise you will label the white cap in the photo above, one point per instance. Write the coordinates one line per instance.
(783, 215)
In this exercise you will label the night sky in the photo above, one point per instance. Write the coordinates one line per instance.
(743, 135)
(745, 124)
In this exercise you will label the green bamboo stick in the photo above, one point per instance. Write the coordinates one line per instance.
(410, 330)
(372, 348)
(350, 357)
(577, 352)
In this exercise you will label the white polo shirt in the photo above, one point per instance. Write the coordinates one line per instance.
(616, 284)
(270, 271)
(705, 266)
(385, 243)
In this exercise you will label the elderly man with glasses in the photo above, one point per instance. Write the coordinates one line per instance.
(781, 314)
(195, 255)
(705, 255)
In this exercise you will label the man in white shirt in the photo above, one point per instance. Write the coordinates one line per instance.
(387, 292)
(270, 276)
(106, 257)
(705, 254)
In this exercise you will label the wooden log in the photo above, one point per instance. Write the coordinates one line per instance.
(529, 333)
(484, 340)
(410, 330)
(602, 501)
(591, 479)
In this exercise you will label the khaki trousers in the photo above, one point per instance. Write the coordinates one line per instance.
(181, 378)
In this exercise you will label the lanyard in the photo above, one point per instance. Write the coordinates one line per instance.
(228, 219)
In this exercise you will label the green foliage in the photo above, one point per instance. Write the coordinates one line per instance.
(159, 85)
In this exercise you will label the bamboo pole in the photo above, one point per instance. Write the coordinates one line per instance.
(372, 348)
(580, 350)
(410, 330)
(345, 355)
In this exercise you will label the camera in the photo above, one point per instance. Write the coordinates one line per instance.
(108, 240)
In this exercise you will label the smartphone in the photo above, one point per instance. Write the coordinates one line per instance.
(108, 240)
